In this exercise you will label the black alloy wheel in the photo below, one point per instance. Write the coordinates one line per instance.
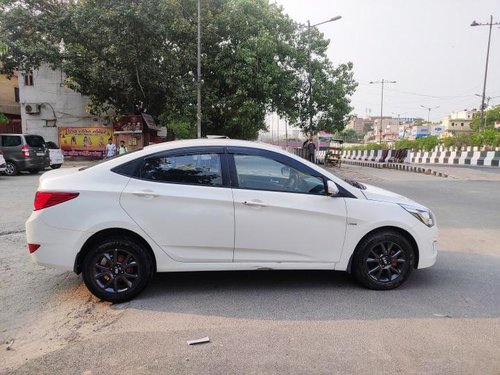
(383, 261)
(117, 269)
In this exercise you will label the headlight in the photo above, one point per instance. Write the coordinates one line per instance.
(424, 215)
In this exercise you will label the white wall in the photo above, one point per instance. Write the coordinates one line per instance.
(57, 102)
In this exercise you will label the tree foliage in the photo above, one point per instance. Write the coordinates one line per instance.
(122, 53)
(490, 117)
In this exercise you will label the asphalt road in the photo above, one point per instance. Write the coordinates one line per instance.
(445, 319)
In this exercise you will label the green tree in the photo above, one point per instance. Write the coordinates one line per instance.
(123, 53)
(490, 117)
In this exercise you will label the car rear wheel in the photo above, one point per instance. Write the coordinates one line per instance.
(11, 169)
(117, 269)
(383, 260)
(55, 166)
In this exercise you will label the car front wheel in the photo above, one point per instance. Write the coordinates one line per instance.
(383, 260)
(117, 269)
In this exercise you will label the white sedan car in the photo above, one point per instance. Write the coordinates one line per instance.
(207, 205)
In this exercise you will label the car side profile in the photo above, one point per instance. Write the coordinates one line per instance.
(24, 152)
(220, 204)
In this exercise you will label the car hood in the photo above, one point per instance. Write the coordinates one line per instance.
(378, 194)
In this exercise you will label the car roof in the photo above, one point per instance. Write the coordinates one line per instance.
(202, 142)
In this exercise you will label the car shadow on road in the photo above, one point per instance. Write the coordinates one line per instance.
(459, 286)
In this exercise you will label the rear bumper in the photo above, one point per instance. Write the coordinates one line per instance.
(58, 247)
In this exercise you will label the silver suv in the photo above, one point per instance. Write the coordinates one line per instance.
(24, 152)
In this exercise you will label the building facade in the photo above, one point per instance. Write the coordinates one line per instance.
(46, 104)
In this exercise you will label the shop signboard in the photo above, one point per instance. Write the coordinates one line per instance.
(84, 141)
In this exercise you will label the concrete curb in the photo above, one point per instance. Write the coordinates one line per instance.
(398, 166)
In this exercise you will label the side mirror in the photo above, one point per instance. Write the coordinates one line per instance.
(331, 188)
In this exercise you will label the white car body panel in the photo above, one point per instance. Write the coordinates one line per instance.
(3, 165)
(56, 156)
(272, 228)
(190, 223)
(171, 226)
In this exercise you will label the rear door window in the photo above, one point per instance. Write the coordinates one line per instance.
(11, 140)
(191, 169)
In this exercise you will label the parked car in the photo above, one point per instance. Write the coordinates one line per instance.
(2, 162)
(206, 205)
(55, 154)
(24, 152)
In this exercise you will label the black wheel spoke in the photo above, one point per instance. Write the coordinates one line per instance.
(396, 270)
(108, 284)
(397, 254)
(389, 248)
(115, 284)
(127, 259)
(115, 256)
(373, 270)
(106, 273)
(101, 268)
(126, 281)
(379, 273)
(130, 275)
(384, 249)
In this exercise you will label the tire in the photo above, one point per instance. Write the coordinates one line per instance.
(11, 169)
(117, 269)
(383, 260)
(55, 166)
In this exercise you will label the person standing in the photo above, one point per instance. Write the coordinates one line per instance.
(311, 150)
(122, 149)
(110, 149)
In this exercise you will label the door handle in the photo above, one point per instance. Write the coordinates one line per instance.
(254, 203)
(145, 194)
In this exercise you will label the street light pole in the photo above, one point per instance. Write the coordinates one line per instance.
(309, 72)
(490, 24)
(429, 109)
(382, 82)
(198, 79)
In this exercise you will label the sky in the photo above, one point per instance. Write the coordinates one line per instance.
(427, 46)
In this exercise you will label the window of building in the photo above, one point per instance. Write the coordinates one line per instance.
(194, 169)
(462, 124)
(28, 79)
(16, 94)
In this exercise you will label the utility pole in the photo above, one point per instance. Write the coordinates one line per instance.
(309, 72)
(382, 82)
(429, 109)
(198, 80)
(490, 24)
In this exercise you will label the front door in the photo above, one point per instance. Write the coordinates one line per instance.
(282, 213)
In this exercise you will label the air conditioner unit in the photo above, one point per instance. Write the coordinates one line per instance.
(32, 108)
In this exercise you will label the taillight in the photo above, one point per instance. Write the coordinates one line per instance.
(26, 150)
(44, 199)
(33, 247)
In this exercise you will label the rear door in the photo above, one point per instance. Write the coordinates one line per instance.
(183, 202)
